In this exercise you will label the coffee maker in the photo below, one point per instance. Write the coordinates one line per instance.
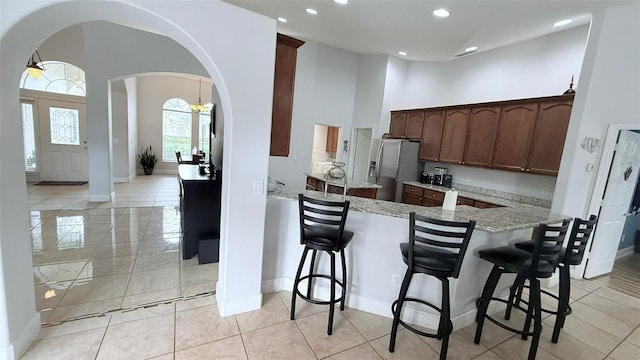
(438, 176)
(425, 178)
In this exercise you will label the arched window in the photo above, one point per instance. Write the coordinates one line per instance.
(58, 77)
(176, 129)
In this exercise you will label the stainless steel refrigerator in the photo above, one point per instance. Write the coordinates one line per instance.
(392, 162)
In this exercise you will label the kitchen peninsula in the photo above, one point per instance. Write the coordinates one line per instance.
(374, 262)
(318, 181)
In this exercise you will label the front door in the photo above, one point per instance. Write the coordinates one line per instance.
(63, 141)
(615, 204)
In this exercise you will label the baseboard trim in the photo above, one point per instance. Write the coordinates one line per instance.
(237, 306)
(121, 180)
(17, 348)
(624, 252)
(101, 198)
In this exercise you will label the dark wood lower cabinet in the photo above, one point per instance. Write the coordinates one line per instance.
(415, 195)
(199, 208)
(318, 185)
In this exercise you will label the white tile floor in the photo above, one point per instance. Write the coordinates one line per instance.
(605, 324)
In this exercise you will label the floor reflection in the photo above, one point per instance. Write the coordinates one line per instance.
(98, 259)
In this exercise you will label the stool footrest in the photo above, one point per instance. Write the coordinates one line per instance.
(318, 302)
(506, 327)
(553, 312)
(394, 305)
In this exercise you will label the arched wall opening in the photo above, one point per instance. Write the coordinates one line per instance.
(242, 68)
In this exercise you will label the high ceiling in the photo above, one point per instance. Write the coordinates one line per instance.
(389, 26)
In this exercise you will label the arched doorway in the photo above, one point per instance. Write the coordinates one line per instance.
(202, 28)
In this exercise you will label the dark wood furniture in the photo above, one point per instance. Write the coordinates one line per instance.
(524, 135)
(199, 207)
(416, 195)
(454, 135)
(318, 185)
(431, 135)
(283, 82)
(332, 138)
(481, 137)
(406, 125)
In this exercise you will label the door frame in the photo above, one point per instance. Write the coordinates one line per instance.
(33, 97)
(602, 177)
(354, 145)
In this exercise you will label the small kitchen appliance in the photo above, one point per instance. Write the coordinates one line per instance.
(425, 178)
(438, 176)
(447, 180)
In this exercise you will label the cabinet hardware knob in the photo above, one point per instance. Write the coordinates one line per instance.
(527, 170)
(436, 159)
(521, 169)
(463, 163)
(459, 162)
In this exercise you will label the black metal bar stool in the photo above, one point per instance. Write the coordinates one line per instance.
(572, 254)
(322, 228)
(540, 263)
(436, 248)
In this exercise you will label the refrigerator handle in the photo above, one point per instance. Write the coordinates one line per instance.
(378, 164)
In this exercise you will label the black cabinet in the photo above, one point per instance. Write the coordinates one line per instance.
(199, 207)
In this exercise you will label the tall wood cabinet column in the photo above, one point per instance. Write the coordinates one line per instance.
(283, 82)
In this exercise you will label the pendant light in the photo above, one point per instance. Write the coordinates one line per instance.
(198, 107)
(35, 70)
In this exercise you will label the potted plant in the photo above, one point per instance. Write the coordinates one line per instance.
(147, 158)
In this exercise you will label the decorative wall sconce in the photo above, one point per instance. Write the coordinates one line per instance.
(345, 145)
(590, 144)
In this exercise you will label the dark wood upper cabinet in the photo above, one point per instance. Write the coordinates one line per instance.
(454, 135)
(548, 137)
(332, 138)
(283, 82)
(514, 136)
(397, 125)
(481, 136)
(413, 129)
(431, 135)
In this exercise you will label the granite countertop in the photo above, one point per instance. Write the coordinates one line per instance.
(512, 216)
(351, 183)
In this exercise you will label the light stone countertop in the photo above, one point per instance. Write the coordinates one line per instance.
(512, 216)
(351, 183)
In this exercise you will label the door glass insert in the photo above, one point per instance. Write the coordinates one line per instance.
(65, 126)
(29, 137)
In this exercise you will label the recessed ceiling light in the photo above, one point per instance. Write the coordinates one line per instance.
(311, 11)
(441, 13)
(471, 48)
(282, 20)
(402, 53)
(341, 2)
(562, 22)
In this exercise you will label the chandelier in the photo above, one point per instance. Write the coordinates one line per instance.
(198, 107)
(35, 70)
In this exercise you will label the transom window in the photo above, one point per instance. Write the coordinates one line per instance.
(58, 77)
(176, 129)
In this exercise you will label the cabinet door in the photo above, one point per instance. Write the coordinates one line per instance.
(431, 135)
(464, 201)
(481, 137)
(548, 137)
(332, 139)
(454, 136)
(398, 123)
(514, 136)
(413, 128)
(284, 79)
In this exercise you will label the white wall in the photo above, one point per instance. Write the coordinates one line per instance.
(395, 82)
(153, 91)
(538, 67)
(324, 93)
(131, 85)
(246, 77)
(610, 93)
(120, 122)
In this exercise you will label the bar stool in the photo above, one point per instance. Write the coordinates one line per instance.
(572, 254)
(322, 228)
(436, 248)
(540, 263)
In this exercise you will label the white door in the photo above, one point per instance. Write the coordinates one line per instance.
(361, 157)
(63, 141)
(615, 204)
